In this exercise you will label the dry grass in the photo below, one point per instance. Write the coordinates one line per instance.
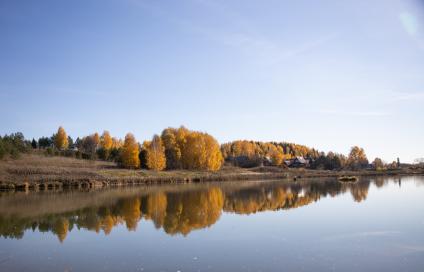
(38, 169)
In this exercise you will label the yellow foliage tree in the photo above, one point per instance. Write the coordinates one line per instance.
(201, 151)
(106, 141)
(155, 157)
(191, 150)
(214, 158)
(129, 154)
(116, 143)
(357, 158)
(276, 153)
(61, 139)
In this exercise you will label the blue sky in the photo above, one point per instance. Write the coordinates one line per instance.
(328, 74)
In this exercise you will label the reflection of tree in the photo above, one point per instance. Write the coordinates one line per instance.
(131, 212)
(183, 212)
(60, 228)
(154, 208)
(379, 182)
(273, 198)
(186, 212)
(359, 191)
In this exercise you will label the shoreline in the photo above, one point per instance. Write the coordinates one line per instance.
(39, 173)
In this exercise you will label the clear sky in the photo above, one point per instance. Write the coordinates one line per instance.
(327, 74)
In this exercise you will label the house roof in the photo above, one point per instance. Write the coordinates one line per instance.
(301, 159)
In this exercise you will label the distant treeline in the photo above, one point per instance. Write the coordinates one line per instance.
(181, 148)
(251, 154)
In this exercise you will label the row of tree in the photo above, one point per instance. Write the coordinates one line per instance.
(250, 153)
(174, 149)
(181, 148)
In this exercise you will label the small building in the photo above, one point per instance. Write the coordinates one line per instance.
(297, 161)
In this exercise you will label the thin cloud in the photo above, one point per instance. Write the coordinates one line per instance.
(255, 46)
(239, 33)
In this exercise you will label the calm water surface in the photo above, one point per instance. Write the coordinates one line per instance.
(313, 225)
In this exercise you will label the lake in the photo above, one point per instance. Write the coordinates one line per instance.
(376, 224)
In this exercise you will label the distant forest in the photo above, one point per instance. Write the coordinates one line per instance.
(181, 148)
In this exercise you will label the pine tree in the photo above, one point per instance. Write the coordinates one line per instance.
(34, 143)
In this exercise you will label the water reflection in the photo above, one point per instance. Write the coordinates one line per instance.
(174, 209)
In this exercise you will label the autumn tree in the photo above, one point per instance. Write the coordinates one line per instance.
(331, 161)
(106, 140)
(357, 158)
(155, 156)
(129, 153)
(191, 150)
(143, 154)
(96, 139)
(172, 148)
(201, 151)
(214, 157)
(88, 147)
(378, 164)
(249, 153)
(276, 155)
(117, 143)
(61, 139)
(105, 146)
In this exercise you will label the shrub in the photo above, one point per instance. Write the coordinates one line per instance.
(103, 153)
(69, 153)
(78, 154)
(49, 151)
(114, 155)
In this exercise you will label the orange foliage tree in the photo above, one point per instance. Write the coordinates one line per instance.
(106, 140)
(155, 156)
(191, 150)
(61, 139)
(129, 153)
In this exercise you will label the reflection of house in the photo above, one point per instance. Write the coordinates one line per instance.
(297, 162)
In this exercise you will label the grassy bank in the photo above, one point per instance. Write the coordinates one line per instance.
(37, 172)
